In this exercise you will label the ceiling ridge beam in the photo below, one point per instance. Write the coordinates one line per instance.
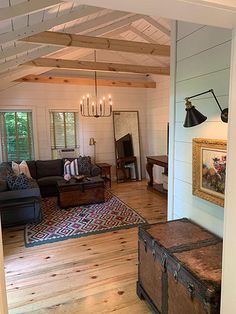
(21, 33)
(84, 41)
(26, 7)
(98, 66)
(86, 81)
(157, 25)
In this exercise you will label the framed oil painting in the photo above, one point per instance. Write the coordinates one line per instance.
(209, 169)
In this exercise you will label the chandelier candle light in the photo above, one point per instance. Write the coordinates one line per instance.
(95, 109)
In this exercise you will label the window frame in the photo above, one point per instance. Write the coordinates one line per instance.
(34, 151)
(76, 128)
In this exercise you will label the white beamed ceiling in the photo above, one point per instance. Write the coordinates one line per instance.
(69, 16)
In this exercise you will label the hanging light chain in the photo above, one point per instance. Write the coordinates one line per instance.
(95, 109)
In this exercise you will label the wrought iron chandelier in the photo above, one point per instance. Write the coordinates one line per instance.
(93, 108)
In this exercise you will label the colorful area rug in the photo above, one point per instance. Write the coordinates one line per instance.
(61, 224)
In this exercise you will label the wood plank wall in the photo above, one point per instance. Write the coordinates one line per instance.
(203, 62)
(41, 98)
(157, 119)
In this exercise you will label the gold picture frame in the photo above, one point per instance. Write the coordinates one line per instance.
(209, 169)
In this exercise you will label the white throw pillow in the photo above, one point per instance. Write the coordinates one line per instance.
(71, 167)
(21, 168)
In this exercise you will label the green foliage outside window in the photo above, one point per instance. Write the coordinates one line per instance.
(16, 135)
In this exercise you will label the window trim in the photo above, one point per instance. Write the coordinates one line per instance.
(76, 127)
(34, 128)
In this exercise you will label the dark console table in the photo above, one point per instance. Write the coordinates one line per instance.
(161, 161)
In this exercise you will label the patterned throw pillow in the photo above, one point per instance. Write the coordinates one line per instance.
(71, 167)
(85, 165)
(21, 168)
(19, 182)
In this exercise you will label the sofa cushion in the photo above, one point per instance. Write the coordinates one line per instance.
(84, 165)
(19, 194)
(32, 168)
(46, 168)
(5, 169)
(48, 180)
(95, 171)
(71, 167)
(3, 185)
(21, 167)
(19, 182)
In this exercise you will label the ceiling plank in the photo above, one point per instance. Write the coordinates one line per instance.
(157, 25)
(82, 41)
(141, 35)
(25, 8)
(85, 81)
(98, 66)
(98, 22)
(14, 50)
(77, 13)
(116, 25)
(24, 58)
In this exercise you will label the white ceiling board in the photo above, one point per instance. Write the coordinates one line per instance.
(174, 9)
(24, 8)
(40, 27)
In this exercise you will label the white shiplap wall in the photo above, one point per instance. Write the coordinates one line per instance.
(203, 62)
(41, 98)
(157, 119)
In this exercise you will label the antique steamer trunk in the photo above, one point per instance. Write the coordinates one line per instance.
(179, 268)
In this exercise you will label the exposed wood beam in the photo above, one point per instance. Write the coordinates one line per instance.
(85, 81)
(26, 7)
(18, 34)
(98, 66)
(82, 41)
(81, 27)
(157, 25)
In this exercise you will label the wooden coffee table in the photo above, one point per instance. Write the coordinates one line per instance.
(74, 193)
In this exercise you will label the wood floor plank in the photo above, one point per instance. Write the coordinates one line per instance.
(93, 274)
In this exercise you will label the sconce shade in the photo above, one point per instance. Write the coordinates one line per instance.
(193, 117)
(92, 141)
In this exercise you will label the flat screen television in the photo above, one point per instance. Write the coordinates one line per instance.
(124, 146)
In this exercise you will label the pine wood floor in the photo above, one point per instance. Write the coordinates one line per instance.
(94, 274)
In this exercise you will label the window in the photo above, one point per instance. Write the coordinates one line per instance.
(63, 131)
(16, 136)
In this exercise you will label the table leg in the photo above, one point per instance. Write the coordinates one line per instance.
(149, 168)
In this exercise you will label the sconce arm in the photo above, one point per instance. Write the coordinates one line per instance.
(208, 91)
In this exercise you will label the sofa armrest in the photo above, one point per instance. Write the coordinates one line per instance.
(18, 194)
(95, 171)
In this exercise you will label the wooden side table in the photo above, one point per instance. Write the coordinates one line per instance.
(105, 171)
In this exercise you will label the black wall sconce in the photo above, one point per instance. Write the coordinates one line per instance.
(194, 117)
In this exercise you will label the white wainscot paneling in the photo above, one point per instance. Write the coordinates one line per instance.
(219, 81)
(183, 171)
(206, 106)
(205, 213)
(208, 61)
(183, 151)
(202, 39)
(185, 29)
(213, 130)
